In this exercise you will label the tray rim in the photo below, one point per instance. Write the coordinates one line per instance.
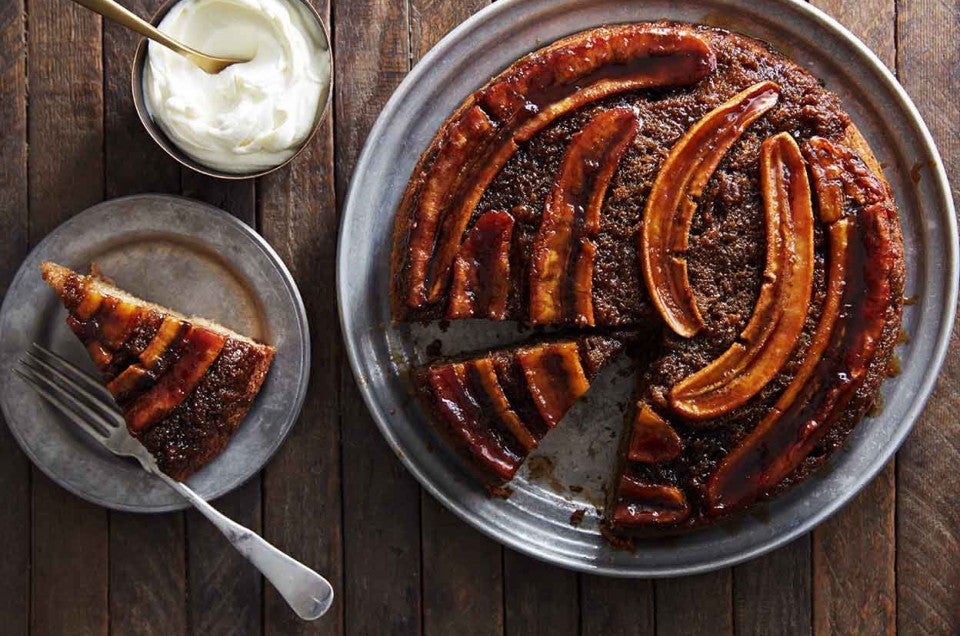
(302, 322)
(947, 312)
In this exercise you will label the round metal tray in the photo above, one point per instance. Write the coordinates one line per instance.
(535, 519)
(183, 254)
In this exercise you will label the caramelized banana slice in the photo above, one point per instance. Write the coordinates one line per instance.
(88, 305)
(170, 332)
(514, 107)
(653, 440)
(466, 424)
(581, 284)
(864, 257)
(487, 374)
(200, 347)
(769, 338)
(672, 202)
(571, 216)
(555, 378)
(639, 503)
(481, 272)
(117, 324)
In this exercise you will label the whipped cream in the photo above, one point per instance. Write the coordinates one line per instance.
(250, 116)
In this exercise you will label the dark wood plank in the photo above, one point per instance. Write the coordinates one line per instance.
(928, 514)
(65, 113)
(224, 590)
(381, 501)
(302, 487)
(236, 197)
(463, 592)
(772, 594)
(854, 589)
(134, 163)
(616, 606)
(539, 598)
(700, 604)
(69, 569)
(147, 567)
(65, 124)
(430, 20)
(14, 467)
(463, 578)
(302, 497)
(147, 574)
(854, 551)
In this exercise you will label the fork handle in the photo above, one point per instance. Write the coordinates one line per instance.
(308, 594)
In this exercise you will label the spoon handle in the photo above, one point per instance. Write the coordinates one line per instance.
(308, 594)
(121, 15)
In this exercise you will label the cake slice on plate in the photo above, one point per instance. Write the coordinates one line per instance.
(183, 384)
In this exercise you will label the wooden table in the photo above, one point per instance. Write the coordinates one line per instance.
(335, 496)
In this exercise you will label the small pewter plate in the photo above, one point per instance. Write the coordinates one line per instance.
(568, 471)
(186, 255)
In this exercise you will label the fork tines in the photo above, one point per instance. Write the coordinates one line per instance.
(80, 397)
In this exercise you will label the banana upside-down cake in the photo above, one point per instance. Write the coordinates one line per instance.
(183, 384)
(657, 178)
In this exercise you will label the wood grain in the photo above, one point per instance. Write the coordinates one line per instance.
(147, 565)
(239, 198)
(854, 551)
(853, 561)
(616, 606)
(134, 163)
(381, 501)
(772, 594)
(224, 591)
(302, 485)
(539, 598)
(65, 169)
(928, 514)
(463, 582)
(147, 574)
(463, 577)
(69, 564)
(14, 467)
(700, 604)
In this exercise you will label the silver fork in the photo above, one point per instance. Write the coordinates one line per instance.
(88, 404)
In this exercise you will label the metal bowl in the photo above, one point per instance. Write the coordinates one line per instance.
(535, 519)
(136, 88)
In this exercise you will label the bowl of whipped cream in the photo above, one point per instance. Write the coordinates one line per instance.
(252, 117)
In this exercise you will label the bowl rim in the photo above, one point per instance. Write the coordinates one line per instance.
(174, 151)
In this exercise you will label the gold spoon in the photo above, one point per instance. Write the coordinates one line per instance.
(113, 11)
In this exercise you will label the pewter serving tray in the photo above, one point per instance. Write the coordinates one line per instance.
(186, 255)
(536, 518)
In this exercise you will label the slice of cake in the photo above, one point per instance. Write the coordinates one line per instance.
(183, 384)
(495, 407)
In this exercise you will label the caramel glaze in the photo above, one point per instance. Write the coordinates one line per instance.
(495, 407)
(653, 440)
(491, 125)
(768, 340)
(822, 389)
(481, 271)
(183, 388)
(664, 235)
(561, 275)
(645, 504)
